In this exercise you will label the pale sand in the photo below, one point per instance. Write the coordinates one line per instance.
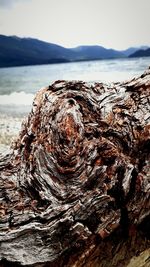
(9, 130)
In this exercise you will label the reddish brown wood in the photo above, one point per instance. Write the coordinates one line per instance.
(74, 191)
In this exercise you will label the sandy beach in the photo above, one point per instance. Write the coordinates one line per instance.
(9, 129)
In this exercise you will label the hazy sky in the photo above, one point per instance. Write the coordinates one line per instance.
(111, 23)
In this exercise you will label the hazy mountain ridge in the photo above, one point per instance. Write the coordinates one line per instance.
(96, 52)
(129, 51)
(16, 51)
(141, 53)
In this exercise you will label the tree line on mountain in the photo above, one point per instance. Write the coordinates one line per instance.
(16, 51)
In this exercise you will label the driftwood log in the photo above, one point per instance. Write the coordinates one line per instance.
(75, 189)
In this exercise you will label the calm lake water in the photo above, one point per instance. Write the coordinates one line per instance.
(18, 85)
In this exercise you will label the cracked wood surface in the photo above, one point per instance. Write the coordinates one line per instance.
(74, 191)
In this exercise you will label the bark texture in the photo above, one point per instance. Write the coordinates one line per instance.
(75, 189)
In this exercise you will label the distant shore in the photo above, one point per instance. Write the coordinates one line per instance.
(17, 51)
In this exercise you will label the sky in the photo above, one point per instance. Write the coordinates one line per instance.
(111, 23)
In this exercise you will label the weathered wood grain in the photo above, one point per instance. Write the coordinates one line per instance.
(75, 189)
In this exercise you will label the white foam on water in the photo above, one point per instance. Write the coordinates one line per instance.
(106, 77)
(17, 98)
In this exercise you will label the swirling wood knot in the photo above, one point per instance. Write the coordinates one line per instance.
(79, 169)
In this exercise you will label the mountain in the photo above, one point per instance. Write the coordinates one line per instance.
(132, 50)
(96, 52)
(15, 51)
(141, 53)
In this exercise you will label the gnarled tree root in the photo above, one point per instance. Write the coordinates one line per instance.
(74, 191)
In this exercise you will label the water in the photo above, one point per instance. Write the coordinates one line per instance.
(18, 85)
